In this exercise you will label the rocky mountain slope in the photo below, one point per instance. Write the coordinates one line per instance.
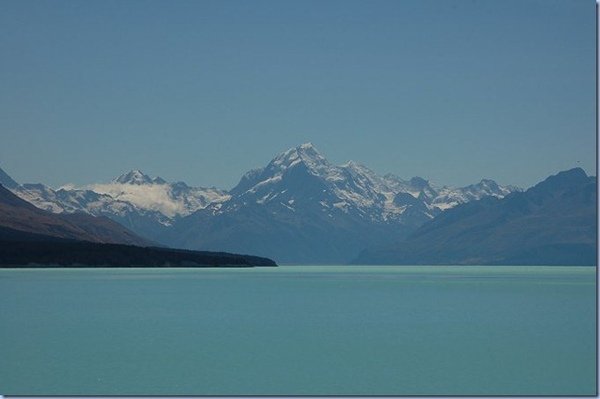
(18, 214)
(144, 205)
(552, 223)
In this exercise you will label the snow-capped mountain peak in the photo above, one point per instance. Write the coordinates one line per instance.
(156, 194)
(132, 193)
(306, 154)
(302, 175)
(134, 177)
(309, 150)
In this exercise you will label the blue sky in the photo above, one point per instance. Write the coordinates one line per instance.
(202, 91)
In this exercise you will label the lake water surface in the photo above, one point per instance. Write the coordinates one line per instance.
(295, 330)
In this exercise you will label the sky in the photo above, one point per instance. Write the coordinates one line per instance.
(202, 91)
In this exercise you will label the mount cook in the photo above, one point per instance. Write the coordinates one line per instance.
(299, 208)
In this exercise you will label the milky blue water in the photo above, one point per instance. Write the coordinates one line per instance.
(318, 330)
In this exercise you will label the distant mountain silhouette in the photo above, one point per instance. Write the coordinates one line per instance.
(552, 223)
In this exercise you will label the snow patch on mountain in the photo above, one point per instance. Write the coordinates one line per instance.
(152, 197)
(39, 195)
(155, 194)
(132, 194)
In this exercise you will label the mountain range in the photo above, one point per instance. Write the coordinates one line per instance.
(33, 237)
(19, 215)
(299, 208)
(552, 223)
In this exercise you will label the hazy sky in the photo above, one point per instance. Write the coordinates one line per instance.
(202, 91)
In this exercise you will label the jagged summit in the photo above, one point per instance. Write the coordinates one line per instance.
(305, 153)
(134, 176)
(307, 145)
(308, 150)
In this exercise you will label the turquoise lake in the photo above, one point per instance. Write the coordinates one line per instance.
(294, 330)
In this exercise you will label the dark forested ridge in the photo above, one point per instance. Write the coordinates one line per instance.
(22, 249)
(552, 223)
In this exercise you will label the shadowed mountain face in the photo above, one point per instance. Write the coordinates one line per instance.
(552, 223)
(7, 181)
(20, 215)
